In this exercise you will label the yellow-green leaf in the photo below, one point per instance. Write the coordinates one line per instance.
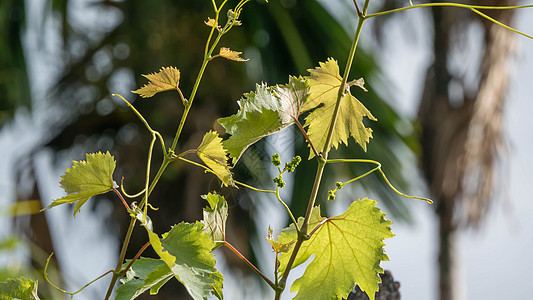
(86, 179)
(324, 82)
(19, 288)
(166, 79)
(230, 54)
(347, 249)
(213, 154)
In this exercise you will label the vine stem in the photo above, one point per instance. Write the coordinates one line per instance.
(62, 290)
(125, 244)
(209, 48)
(322, 162)
(116, 272)
(276, 267)
(254, 188)
(122, 199)
(377, 168)
(356, 7)
(474, 8)
(256, 270)
(184, 153)
(124, 191)
(445, 4)
(277, 196)
(135, 258)
(168, 156)
(139, 115)
(147, 180)
(288, 210)
(302, 130)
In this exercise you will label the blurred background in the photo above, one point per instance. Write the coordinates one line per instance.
(449, 89)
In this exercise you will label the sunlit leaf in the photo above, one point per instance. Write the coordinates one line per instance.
(276, 245)
(215, 216)
(263, 112)
(289, 235)
(347, 249)
(144, 274)
(292, 96)
(186, 249)
(19, 288)
(324, 82)
(257, 117)
(231, 55)
(166, 79)
(213, 154)
(86, 179)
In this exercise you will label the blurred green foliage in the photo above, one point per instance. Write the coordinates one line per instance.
(14, 86)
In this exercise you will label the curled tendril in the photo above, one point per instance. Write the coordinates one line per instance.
(126, 194)
(62, 290)
(377, 168)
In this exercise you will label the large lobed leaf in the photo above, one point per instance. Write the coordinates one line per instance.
(213, 154)
(19, 288)
(348, 249)
(144, 274)
(271, 109)
(324, 82)
(168, 78)
(186, 250)
(86, 179)
(263, 112)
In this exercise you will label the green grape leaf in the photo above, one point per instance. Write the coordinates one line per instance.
(215, 216)
(257, 117)
(144, 274)
(19, 288)
(168, 78)
(324, 82)
(348, 249)
(230, 54)
(263, 112)
(186, 249)
(213, 154)
(86, 179)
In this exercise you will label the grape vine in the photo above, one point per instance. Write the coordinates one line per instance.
(347, 248)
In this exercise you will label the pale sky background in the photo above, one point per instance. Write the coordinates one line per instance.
(494, 262)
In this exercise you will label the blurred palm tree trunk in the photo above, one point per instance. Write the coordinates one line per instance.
(34, 227)
(461, 140)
